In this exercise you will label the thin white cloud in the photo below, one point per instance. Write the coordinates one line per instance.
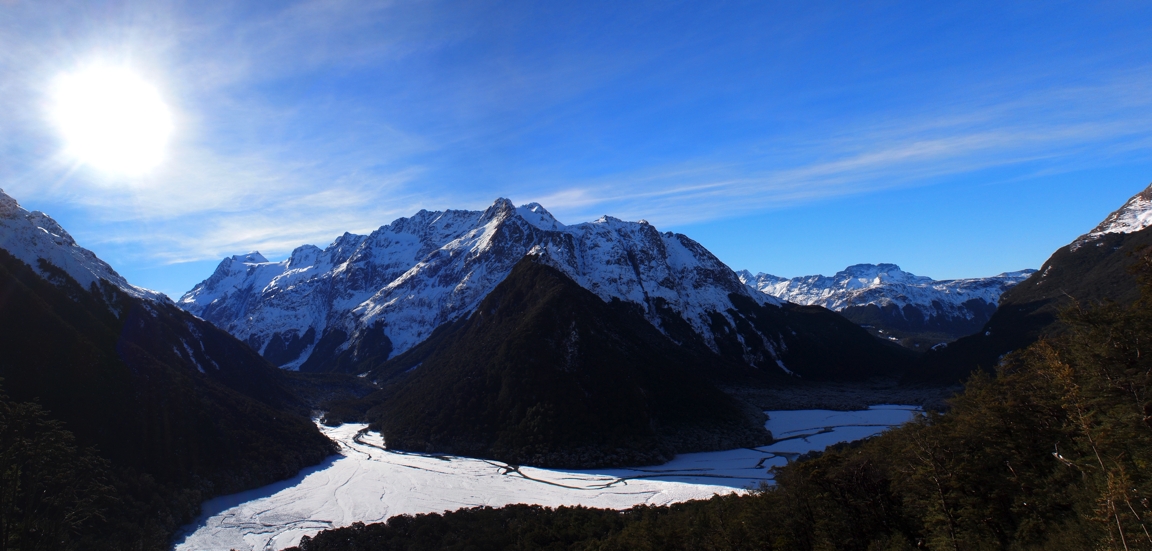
(1100, 121)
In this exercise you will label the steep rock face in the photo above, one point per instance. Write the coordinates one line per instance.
(364, 299)
(895, 304)
(1093, 268)
(546, 373)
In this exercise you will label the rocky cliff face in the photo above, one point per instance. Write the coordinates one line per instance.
(378, 295)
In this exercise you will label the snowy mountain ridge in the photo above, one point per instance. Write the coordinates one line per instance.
(415, 274)
(882, 284)
(1133, 216)
(32, 236)
(896, 305)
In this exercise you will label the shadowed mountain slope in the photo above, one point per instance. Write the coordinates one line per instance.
(545, 372)
(132, 387)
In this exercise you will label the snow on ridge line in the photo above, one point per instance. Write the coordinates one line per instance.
(31, 236)
(883, 284)
(408, 277)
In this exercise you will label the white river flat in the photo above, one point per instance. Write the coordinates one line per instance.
(368, 483)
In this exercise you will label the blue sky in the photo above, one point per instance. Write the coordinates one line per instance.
(788, 137)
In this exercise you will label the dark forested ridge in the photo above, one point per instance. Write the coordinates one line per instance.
(546, 373)
(1053, 453)
(154, 407)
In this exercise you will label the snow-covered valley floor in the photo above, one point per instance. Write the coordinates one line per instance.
(368, 483)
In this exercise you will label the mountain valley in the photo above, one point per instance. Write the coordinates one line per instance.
(502, 335)
(509, 335)
(1028, 457)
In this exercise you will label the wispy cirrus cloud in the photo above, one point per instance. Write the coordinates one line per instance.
(1053, 125)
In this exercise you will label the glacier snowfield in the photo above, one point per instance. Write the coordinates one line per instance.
(368, 483)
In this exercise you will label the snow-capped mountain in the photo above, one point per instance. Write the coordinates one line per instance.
(882, 284)
(385, 292)
(1134, 216)
(885, 295)
(32, 236)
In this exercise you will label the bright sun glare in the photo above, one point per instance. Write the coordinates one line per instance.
(111, 119)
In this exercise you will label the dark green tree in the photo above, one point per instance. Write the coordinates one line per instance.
(51, 492)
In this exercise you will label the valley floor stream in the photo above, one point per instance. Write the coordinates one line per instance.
(368, 483)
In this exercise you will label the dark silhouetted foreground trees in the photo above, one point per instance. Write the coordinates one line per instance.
(51, 492)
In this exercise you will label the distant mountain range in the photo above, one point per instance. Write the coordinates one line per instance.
(914, 310)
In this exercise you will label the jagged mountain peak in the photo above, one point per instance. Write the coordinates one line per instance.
(1133, 216)
(253, 257)
(1018, 274)
(537, 215)
(501, 209)
(859, 276)
(608, 219)
(34, 236)
(872, 269)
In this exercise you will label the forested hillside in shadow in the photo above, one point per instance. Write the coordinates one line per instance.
(110, 436)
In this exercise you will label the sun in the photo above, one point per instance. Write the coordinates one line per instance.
(111, 120)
